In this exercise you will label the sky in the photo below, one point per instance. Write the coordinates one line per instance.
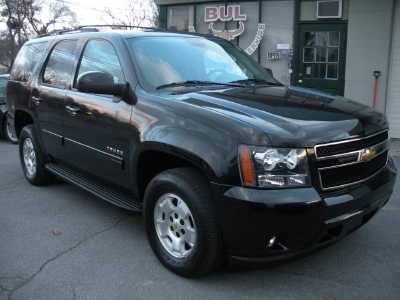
(92, 12)
(89, 12)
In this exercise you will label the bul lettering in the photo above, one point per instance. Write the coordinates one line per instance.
(231, 12)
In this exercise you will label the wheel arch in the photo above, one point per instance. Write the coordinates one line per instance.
(152, 158)
(21, 119)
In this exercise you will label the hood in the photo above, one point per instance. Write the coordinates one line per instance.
(291, 116)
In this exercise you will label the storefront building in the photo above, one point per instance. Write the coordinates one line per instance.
(346, 47)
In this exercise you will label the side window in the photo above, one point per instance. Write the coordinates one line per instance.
(3, 84)
(100, 55)
(60, 66)
(26, 61)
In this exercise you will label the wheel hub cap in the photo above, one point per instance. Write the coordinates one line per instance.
(174, 225)
(9, 133)
(29, 156)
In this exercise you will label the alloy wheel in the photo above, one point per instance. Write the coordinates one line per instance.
(175, 225)
(29, 156)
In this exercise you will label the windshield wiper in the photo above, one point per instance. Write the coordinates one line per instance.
(196, 82)
(255, 80)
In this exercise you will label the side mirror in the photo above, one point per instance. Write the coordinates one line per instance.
(269, 71)
(97, 82)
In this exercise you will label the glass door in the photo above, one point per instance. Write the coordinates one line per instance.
(321, 57)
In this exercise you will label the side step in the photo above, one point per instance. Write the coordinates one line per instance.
(105, 192)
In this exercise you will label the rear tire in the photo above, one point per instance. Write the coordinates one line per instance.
(182, 224)
(33, 160)
(7, 131)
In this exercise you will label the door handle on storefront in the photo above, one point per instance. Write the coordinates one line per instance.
(300, 81)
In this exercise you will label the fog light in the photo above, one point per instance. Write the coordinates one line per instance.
(271, 242)
(297, 180)
(265, 180)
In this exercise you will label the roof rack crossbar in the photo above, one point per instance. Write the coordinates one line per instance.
(91, 28)
(117, 26)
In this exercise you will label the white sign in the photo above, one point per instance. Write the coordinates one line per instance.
(283, 46)
(257, 39)
(274, 55)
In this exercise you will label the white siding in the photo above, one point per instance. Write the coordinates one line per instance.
(393, 112)
(369, 44)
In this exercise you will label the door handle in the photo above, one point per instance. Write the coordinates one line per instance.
(36, 100)
(300, 81)
(72, 110)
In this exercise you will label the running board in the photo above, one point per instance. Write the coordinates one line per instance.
(101, 190)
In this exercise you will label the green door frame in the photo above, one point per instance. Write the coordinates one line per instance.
(323, 57)
(296, 42)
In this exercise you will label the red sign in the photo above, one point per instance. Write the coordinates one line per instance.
(231, 12)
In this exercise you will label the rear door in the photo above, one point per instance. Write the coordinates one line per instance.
(47, 98)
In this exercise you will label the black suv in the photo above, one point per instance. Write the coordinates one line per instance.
(223, 160)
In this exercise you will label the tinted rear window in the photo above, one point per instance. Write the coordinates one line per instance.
(61, 64)
(26, 61)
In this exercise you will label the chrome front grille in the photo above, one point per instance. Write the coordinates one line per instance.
(350, 162)
(330, 149)
(353, 173)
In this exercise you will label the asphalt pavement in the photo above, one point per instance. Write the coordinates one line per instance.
(60, 242)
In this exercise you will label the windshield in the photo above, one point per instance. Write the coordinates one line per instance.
(168, 61)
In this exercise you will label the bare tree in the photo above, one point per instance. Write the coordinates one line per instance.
(57, 11)
(135, 13)
(5, 52)
(13, 13)
(23, 19)
(154, 14)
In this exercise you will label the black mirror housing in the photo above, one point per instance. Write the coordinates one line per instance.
(97, 82)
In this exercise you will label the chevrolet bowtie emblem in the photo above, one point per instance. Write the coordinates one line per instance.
(175, 226)
(367, 154)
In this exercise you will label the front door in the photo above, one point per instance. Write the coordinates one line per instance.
(96, 127)
(321, 57)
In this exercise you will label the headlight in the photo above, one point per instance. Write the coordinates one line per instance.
(268, 167)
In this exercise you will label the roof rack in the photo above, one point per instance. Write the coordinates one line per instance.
(91, 28)
(118, 26)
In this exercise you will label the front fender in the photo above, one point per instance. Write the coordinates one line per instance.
(215, 157)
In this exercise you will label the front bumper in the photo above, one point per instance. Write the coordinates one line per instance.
(301, 219)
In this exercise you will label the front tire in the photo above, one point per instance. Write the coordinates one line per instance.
(33, 160)
(181, 222)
